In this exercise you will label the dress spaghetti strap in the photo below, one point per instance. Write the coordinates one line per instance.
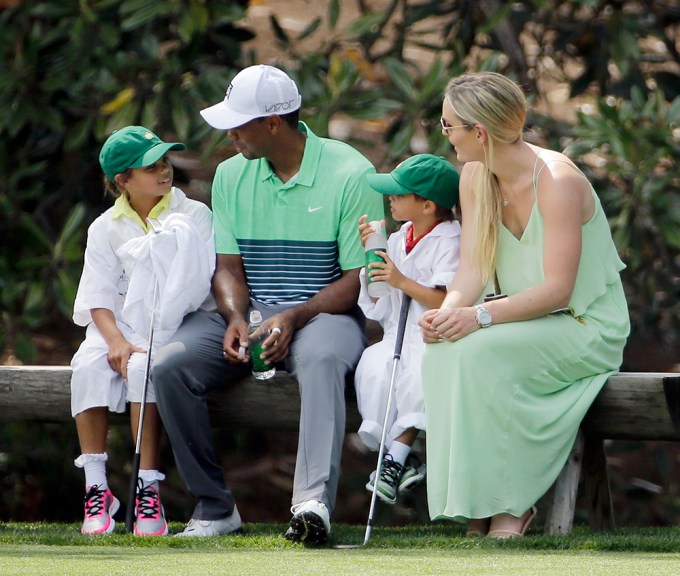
(536, 174)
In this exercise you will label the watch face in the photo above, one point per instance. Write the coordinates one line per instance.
(483, 317)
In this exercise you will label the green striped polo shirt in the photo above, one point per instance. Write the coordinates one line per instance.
(298, 237)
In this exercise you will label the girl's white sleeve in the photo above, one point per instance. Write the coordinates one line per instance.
(103, 283)
(203, 221)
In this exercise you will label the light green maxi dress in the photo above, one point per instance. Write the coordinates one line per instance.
(504, 404)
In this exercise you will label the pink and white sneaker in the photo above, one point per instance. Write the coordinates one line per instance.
(149, 511)
(100, 506)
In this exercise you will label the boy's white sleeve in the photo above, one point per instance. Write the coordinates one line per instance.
(444, 263)
(379, 310)
(371, 309)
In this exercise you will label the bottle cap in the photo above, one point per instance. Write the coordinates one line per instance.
(255, 316)
(376, 226)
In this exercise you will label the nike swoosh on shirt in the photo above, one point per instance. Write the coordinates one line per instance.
(310, 209)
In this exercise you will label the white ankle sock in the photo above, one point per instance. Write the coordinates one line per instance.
(95, 469)
(150, 476)
(399, 452)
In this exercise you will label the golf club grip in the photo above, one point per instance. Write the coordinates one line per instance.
(401, 328)
(132, 495)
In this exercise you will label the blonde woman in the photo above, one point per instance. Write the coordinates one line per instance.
(508, 381)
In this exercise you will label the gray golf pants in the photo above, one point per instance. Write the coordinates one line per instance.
(192, 364)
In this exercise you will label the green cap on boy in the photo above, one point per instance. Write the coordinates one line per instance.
(429, 176)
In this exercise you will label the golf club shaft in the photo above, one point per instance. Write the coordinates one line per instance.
(132, 493)
(401, 329)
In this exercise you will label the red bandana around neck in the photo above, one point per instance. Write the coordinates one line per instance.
(410, 242)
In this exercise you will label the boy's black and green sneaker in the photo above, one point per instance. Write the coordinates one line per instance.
(413, 474)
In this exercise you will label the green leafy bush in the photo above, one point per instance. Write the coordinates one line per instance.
(632, 151)
(70, 73)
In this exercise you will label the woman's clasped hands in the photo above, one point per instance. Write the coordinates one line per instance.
(447, 324)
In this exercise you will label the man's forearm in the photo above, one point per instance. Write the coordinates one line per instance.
(231, 303)
(230, 290)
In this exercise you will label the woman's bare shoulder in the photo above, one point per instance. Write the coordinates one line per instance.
(559, 169)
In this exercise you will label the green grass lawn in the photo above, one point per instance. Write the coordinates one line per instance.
(47, 549)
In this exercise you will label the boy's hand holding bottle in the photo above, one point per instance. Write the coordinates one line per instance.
(380, 269)
(386, 271)
(365, 229)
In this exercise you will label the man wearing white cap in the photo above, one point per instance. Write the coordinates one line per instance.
(285, 212)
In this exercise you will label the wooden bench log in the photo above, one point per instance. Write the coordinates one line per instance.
(631, 406)
(637, 406)
(43, 393)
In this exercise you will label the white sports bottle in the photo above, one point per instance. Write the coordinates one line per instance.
(376, 241)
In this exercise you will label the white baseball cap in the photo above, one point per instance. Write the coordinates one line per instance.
(255, 92)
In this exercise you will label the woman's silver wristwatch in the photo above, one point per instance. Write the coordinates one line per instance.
(483, 316)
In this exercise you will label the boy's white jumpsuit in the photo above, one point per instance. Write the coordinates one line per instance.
(432, 262)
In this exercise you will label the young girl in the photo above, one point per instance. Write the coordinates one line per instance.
(421, 260)
(124, 259)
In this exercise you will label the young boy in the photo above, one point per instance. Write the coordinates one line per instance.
(421, 259)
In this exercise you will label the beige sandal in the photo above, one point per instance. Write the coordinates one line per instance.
(504, 534)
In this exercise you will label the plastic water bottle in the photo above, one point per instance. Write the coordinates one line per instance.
(376, 241)
(261, 371)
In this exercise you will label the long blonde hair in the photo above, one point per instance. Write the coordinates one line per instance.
(497, 103)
